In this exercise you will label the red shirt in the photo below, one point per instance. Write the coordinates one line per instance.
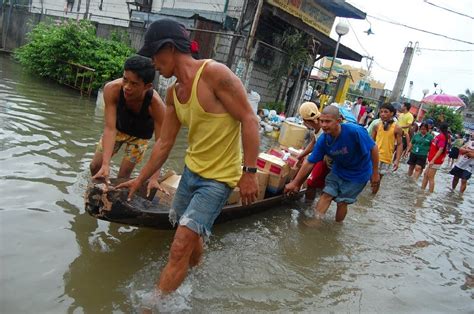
(361, 112)
(438, 142)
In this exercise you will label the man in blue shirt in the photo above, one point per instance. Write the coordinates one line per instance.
(355, 161)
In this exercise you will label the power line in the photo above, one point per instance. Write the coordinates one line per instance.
(421, 30)
(365, 50)
(452, 11)
(355, 34)
(448, 50)
(384, 68)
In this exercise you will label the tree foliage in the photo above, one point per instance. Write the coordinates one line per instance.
(468, 98)
(440, 114)
(294, 43)
(51, 46)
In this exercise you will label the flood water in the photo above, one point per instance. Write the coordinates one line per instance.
(400, 251)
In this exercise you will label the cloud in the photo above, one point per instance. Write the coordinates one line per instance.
(454, 71)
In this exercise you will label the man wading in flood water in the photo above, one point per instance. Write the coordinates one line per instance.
(211, 101)
(133, 110)
(355, 160)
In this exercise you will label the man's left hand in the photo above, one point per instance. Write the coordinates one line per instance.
(248, 188)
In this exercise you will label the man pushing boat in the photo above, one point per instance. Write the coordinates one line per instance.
(211, 102)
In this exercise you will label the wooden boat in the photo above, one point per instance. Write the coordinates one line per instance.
(112, 205)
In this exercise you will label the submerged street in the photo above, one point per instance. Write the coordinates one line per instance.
(403, 250)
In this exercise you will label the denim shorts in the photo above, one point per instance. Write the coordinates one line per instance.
(343, 191)
(198, 202)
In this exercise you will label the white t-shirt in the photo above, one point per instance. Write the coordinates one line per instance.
(356, 110)
(464, 162)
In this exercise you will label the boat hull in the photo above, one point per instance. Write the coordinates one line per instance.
(112, 205)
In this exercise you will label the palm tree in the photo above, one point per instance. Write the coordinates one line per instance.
(468, 98)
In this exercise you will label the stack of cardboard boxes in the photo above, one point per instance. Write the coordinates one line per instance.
(281, 165)
(262, 178)
(275, 168)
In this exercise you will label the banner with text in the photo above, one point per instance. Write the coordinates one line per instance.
(309, 12)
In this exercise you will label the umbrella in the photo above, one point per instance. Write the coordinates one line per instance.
(443, 100)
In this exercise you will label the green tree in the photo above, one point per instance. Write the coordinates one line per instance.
(468, 98)
(52, 46)
(294, 43)
(440, 114)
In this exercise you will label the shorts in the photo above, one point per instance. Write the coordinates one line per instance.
(343, 191)
(134, 150)
(435, 167)
(317, 177)
(454, 153)
(418, 160)
(198, 202)
(384, 168)
(460, 173)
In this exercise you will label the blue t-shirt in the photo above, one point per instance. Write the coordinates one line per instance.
(350, 152)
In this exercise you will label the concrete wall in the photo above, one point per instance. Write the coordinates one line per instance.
(113, 12)
(16, 23)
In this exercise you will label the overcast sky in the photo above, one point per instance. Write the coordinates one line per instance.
(453, 71)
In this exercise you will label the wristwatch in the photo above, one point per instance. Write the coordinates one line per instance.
(249, 169)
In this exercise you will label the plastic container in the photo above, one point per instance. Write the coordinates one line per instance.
(292, 134)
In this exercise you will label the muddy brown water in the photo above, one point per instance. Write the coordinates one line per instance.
(401, 251)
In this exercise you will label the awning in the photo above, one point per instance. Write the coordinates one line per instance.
(184, 16)
(342, 9)
(328, 45)
(218, 17)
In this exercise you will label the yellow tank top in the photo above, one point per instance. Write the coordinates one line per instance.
(386, 142)
(214, 141)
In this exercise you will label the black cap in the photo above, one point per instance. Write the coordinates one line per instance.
(165, 31)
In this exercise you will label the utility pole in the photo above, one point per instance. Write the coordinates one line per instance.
(250, 40)
(235, 39)
(369, 66)
(403, 72)
(86, 14)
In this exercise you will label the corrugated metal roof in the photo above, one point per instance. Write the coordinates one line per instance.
(342, 9)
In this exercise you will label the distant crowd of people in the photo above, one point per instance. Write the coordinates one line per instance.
(345, 156)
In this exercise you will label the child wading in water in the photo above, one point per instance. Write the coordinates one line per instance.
(436, 155)
(418, 148)
(464, 166)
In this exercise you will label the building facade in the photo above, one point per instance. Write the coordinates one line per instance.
(245, 35)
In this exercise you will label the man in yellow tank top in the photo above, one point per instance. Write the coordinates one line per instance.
(405, 121)
(211, 102)
(386, 134)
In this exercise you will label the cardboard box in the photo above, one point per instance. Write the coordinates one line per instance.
(292, 161)
(276, 184)
(294, 151)
(170, 185)
(276, 152)
(272, 165)
(292, 134)
(234, 197)
(292, 174)
(280, 153)
(262, 178)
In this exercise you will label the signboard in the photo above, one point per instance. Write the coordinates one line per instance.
(309, 12)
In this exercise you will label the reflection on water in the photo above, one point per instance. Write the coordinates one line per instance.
(401, 251)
